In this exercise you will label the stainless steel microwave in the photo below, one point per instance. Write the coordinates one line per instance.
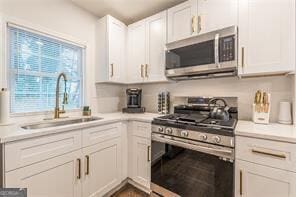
(212, 54)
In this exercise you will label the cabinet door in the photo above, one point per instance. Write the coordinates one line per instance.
(266, 36)
(137, 50)
(141, 158)
(54, 177)
(117, 49)
(253, 180)
(155, 47)
(182, 21)
(216, 14)
(102, 167)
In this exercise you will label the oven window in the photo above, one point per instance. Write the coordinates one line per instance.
(193, 55)
(190, 173)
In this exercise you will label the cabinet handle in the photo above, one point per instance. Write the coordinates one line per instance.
(241, 182)
(87, 165)
(193, 24)
(243, 57)
(142, 66)
(146, 70)
(199, 24)
(282, 156)
(78, 168)
(112, 70)
(148, 153)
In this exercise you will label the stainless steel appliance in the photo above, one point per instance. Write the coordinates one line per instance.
(212, 54)
(193, 153)
(134, 97)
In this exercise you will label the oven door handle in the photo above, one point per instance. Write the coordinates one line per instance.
(190, 145)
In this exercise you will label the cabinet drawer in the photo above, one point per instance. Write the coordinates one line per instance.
(26, 152)
(99, 134)
(269, 153)
(141, 129)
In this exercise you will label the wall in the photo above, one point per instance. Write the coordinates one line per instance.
(280, 87)
(60, 16)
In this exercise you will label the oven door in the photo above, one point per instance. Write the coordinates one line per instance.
(179, 169)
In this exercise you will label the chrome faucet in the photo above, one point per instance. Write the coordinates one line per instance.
(57, 110)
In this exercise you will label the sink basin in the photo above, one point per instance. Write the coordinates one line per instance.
(59, 123)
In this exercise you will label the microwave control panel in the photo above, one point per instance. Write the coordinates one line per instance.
(227, 48)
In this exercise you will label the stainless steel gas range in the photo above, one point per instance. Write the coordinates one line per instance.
(193, 149)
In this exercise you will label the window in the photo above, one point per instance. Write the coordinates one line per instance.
(34, 64)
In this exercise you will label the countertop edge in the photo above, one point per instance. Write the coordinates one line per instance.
(273, 131)
(118, 117)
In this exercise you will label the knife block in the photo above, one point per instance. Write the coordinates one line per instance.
(261, 116)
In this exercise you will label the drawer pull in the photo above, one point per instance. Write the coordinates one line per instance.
(146, 70)
(243, 57)
(148, 154)
(142, 67)
(193, 24)
(78, 168)
(241, 182)
(282, 156)
(112, 70)
(87, 165)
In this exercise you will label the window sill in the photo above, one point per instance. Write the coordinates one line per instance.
(44, 113)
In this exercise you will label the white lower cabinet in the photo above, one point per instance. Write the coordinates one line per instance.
(52, 168)
(59, 177)
(102, 167)
(141, 161)
(139, 149)
(264, 168)
(80, 163)
(254, 180)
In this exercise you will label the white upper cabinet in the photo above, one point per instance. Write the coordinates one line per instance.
(266, 37)
(182, 21)
(111, 43)
(155, 47)
(216, 14)
(136, 51)
(146, 48)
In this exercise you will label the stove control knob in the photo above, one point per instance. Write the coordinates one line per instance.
(169, 130)
(203, 137)
(160, 129)
(184, 133)
(216, 139)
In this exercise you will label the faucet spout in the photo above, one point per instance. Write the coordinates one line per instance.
(57, 110)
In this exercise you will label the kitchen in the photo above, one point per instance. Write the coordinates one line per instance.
(113, 51)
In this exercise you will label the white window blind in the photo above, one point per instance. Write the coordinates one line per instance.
(34, 64)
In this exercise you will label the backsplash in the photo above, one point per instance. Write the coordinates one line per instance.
(111, 98)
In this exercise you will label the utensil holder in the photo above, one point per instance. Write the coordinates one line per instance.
(262, 115)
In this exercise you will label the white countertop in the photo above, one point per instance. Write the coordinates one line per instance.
(15, 132)
(272, 131)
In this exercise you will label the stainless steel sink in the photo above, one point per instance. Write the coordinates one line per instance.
(47, 124)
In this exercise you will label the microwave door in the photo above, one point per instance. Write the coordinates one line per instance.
(200, 56)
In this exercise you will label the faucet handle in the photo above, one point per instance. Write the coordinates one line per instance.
(65, 99)
(62, 111)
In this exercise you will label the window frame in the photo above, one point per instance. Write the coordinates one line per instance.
(6, 23)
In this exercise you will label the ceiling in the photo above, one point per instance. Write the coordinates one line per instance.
(128, 11)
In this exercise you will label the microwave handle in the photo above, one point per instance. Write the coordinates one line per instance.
(216, 50)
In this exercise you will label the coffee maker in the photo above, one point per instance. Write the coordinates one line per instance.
(133, 98)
